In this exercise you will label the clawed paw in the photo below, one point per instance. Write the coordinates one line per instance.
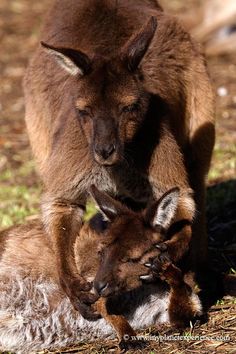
(162, 258)
(86, 311)
(158, 264)
(78, 291)
(172, 274)
(83, 303)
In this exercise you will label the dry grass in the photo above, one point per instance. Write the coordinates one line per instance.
(217, 335)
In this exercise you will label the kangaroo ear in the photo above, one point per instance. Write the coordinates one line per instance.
(134, 50)
(109, 207)
(162, 212)
(73, 61)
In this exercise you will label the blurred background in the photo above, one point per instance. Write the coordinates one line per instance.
(213, 22)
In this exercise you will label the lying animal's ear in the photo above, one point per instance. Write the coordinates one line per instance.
(109, 207)
(162, 212)
(135, 49)
(73, 61)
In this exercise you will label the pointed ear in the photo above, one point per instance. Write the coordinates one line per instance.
(162, 212)
(108, 206)
(135, 49)
(73, 61)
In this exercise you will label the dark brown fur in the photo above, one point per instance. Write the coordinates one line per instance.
(127, 242)
(123, 252)
(152, 123)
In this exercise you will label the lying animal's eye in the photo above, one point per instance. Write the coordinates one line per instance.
(100, 254)
(129, 260)
(131, 108)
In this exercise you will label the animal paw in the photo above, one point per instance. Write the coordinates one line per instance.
(79, 293)
(171, 274)
(86, 311)
(158, 264)
(161, 259)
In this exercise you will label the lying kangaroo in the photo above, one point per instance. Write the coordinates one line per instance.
(115, 255)
(118, 95)
(129, 247)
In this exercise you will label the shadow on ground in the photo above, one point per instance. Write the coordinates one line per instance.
(221, 216)
(220, 278)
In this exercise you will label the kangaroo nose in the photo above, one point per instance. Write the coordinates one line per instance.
(106, 151)
(100, 287)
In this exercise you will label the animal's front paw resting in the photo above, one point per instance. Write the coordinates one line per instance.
(79, 293)
(84, 304)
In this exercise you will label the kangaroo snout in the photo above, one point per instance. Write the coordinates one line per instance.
(101, 287)
(107, 154)
(104, 152)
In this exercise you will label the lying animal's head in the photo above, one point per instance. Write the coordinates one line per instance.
(121, 245)
(111, 102)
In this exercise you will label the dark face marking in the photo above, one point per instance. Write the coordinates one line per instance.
(129, 240)
(124, 248)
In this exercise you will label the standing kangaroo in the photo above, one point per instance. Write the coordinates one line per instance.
(118, 95)
(34, 313)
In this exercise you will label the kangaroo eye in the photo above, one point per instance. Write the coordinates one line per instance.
(131, 108)
(129, 260)
(100, 254)
(83, 113)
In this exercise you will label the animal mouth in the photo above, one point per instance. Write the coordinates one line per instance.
(116, 290)
(110, 291)
(111, 161)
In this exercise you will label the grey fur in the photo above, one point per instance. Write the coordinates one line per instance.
(35, 314)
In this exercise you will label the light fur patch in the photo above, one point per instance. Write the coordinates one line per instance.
(82, 103)
(188, 203)
(196, 305)
(31, 320)
(128, 100)
(65, 62)
(166, 210)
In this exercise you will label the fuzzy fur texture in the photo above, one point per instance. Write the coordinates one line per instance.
(36, 315)
(31, 319)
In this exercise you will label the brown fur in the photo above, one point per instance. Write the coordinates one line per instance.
(127, 243)
(181, 309)
(162, 140)
(87, 267)
(27, 251)
(125, 251)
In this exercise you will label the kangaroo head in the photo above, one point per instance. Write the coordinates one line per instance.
(110, 98)
(127, 241)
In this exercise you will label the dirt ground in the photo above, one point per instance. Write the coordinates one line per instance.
(20, 188)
